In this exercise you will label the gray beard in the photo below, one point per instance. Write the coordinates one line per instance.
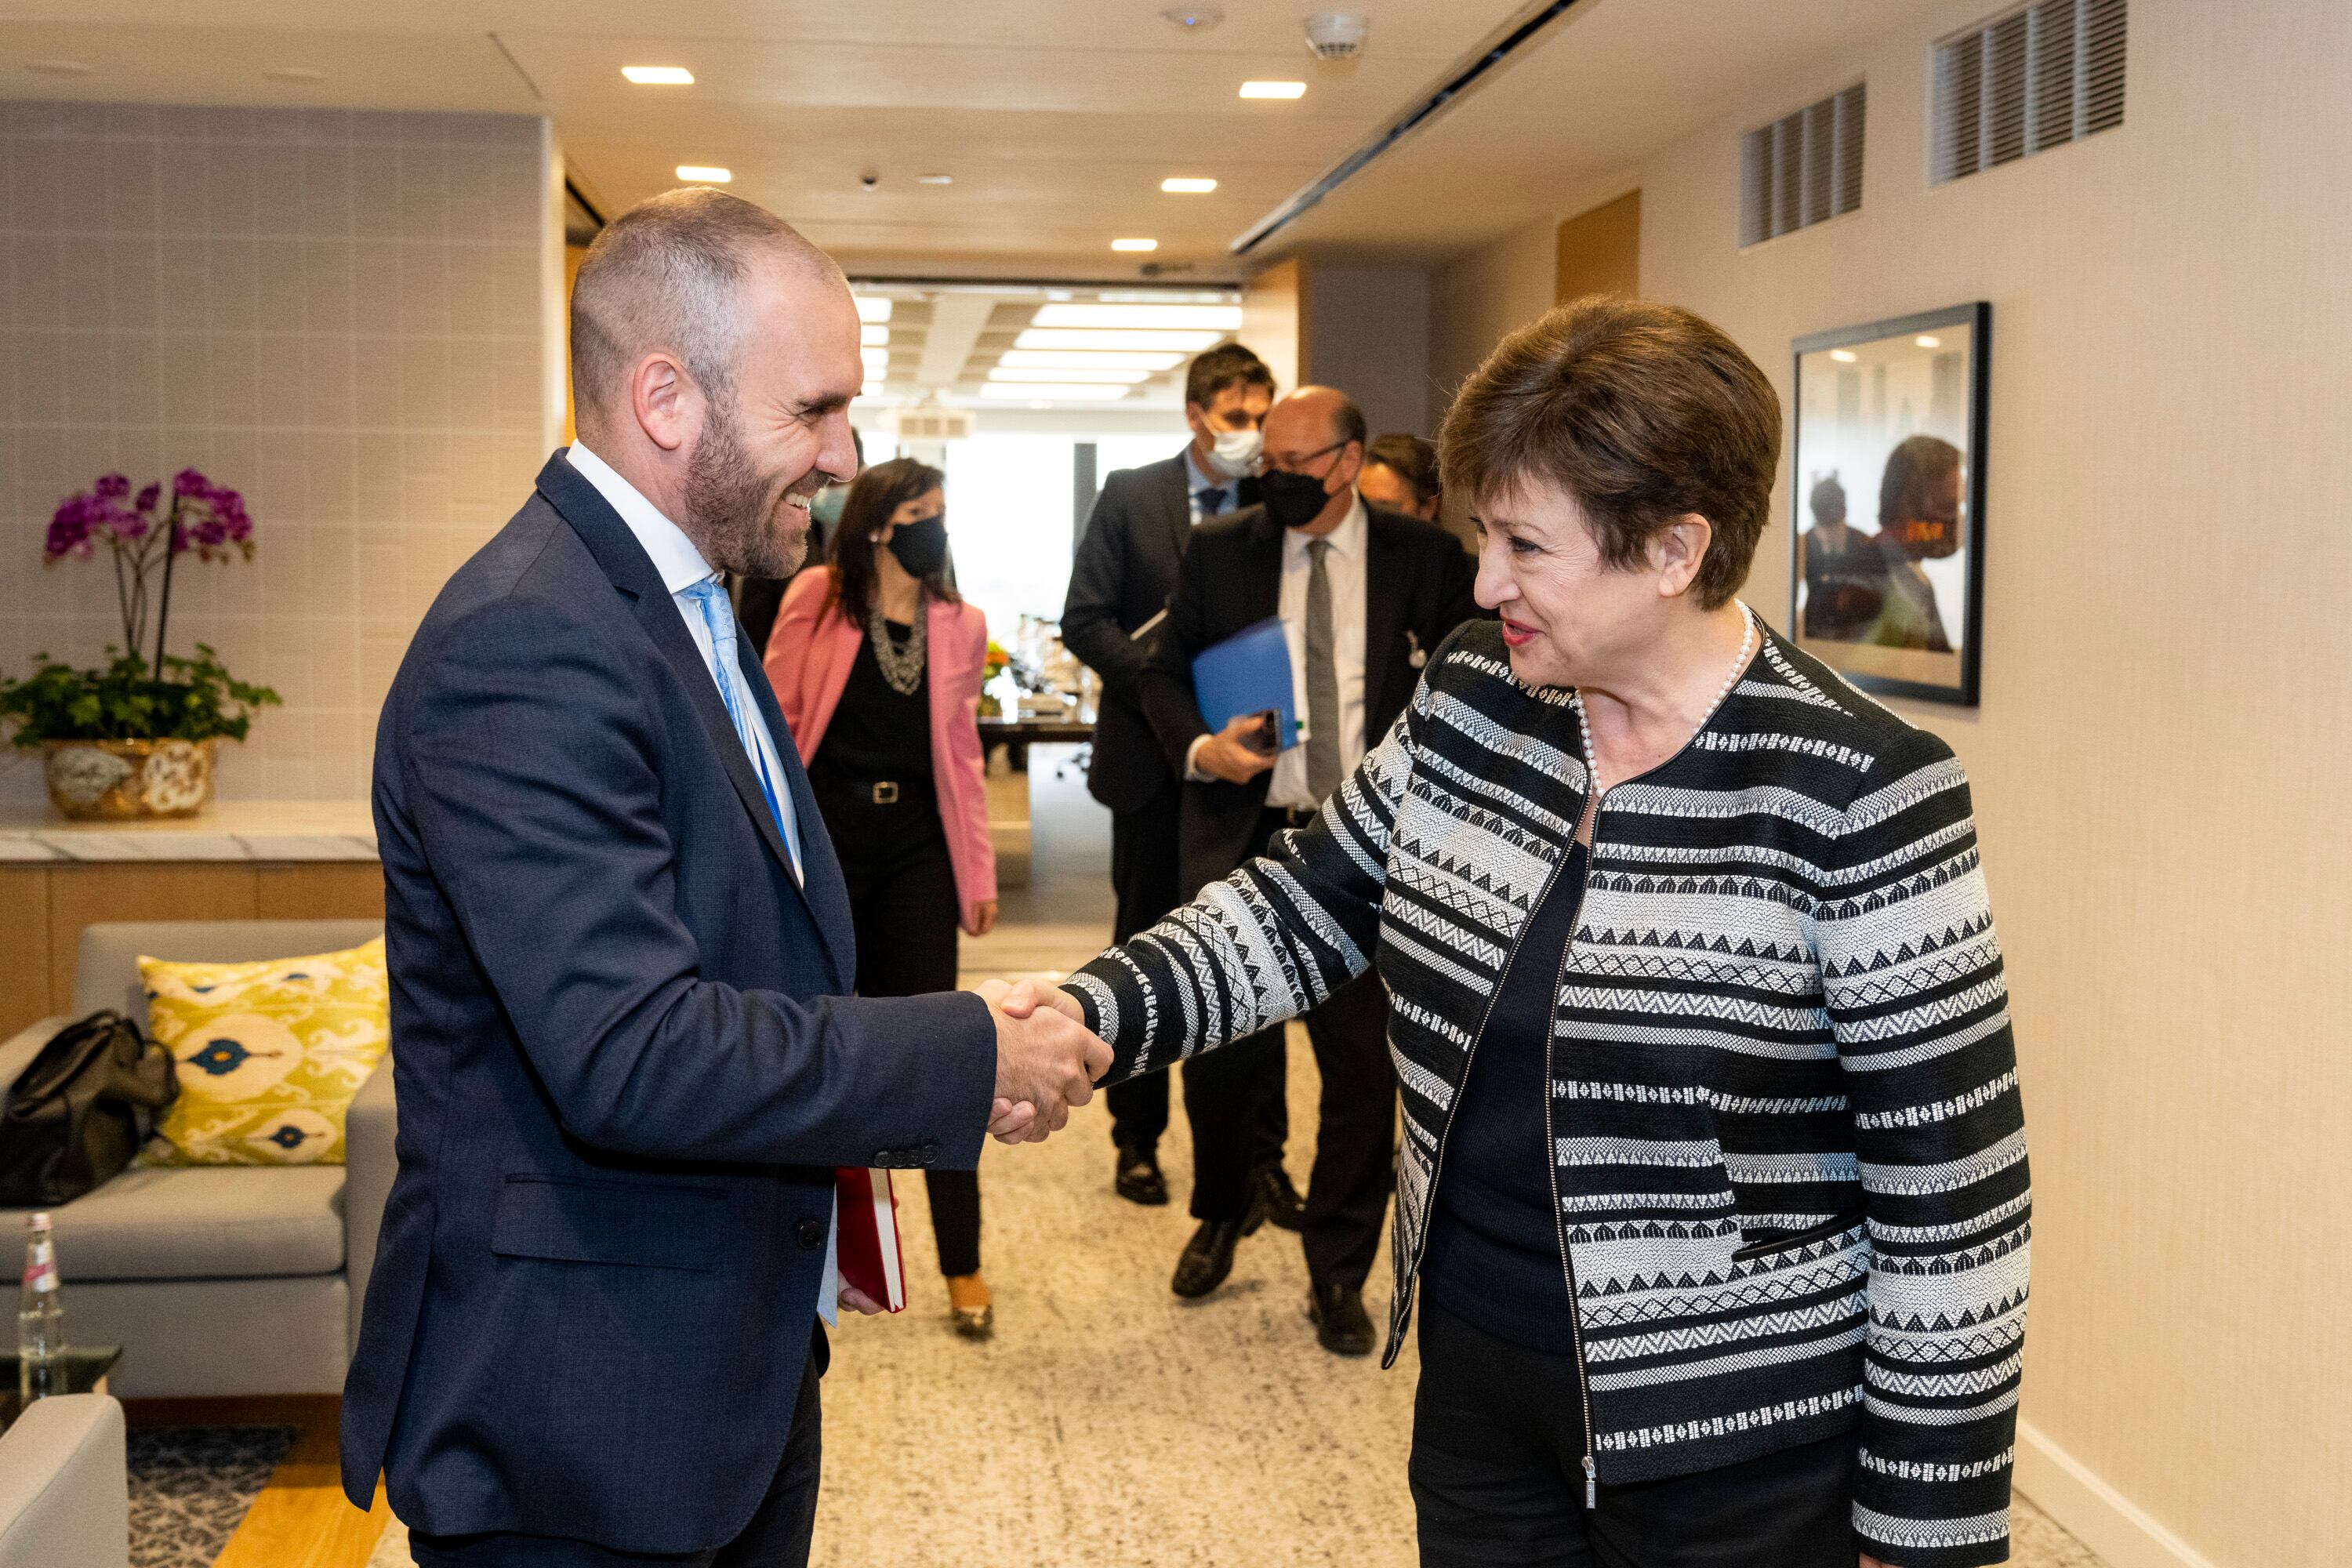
(729, 513)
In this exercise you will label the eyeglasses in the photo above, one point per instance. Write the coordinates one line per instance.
(1299, 465)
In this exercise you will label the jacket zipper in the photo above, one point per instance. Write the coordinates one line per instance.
(1551, 1168)
(1437, 1161)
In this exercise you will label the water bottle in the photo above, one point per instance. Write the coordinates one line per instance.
(40, 1314)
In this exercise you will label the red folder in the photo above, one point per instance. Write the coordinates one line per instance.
(868, 1251)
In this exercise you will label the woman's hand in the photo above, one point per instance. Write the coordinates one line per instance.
(983, 917)
(1870, 1562)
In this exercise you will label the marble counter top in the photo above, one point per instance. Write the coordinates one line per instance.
(252, 830)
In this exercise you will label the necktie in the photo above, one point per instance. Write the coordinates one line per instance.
(1322, 679)
(719, 619)
(1211, 500)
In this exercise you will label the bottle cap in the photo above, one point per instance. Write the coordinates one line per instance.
(38, 1221)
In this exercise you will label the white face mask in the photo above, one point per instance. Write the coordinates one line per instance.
(1237, 452)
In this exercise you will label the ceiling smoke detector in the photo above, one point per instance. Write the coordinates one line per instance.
(1336, 35)
(1192, 19)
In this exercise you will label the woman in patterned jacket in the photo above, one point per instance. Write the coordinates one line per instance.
(1713, 1182)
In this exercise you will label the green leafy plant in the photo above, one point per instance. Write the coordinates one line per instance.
(123, 701)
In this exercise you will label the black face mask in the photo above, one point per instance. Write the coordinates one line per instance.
(1294, 501)
(921, 546)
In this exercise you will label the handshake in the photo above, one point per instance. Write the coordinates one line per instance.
(1047, 1061)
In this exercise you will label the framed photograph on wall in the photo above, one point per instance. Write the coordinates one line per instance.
(1888, 586)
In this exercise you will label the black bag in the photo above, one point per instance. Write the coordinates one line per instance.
(76, 1115)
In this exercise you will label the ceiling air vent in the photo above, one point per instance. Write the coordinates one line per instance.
(2034, 78)
(1802, 168)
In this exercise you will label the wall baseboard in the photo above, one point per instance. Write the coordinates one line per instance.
(2094, 1512)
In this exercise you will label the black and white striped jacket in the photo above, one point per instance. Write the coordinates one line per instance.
(1785, 1113)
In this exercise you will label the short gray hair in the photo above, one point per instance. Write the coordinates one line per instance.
(665, 275)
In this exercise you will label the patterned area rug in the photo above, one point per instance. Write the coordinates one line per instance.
(190, 1487)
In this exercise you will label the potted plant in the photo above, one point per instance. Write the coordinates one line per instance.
(136, 736)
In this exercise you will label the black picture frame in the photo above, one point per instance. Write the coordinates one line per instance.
(1951, 676)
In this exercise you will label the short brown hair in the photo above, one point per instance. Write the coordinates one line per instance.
(1640, 412)
(1410, 457)
(664, 275)
(1227, 364)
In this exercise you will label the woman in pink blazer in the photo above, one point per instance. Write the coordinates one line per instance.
(877, 664)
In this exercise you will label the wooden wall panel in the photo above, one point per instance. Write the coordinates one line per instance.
(1600, 251)
(321, 890)
(82, 895)
(24, 946)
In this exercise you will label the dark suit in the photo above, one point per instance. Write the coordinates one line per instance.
(1122, 576)
(626, 1064)
(1417, 588)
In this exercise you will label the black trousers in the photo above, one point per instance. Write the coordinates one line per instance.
(1144, 876)
(1499, 1481)
(1355, 1148)
(903, 907)
(777, 1537)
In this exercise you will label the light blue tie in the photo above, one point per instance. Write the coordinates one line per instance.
(719, 619)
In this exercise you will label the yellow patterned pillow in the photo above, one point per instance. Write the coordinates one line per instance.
(269, 1055)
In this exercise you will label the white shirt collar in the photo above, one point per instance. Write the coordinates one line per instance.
(1348, 539)
(675, 558)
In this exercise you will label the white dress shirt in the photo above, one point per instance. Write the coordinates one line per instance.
(1343, 569)
(681, 566)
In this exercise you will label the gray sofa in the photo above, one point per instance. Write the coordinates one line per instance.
(218, 1280)
(65, 1500)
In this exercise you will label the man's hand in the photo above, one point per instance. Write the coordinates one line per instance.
(1870, 1562)
(858, 1300)
(983, 917)
(1228, 754)
(1045, 1063)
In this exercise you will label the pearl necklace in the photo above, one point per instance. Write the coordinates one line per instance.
(1730, 679)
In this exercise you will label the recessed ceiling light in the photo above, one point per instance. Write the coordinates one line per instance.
(1060, 392)
(1843, 356)
(658, 76)
(1069, 376)
(57, 68)
(298, 74)
(1192, 19)
(935, 179)
(1223, 318)
(1928, 341)
(1273, 89)
(1135, 245)
(1090, 359)
(704, 174)
(1081, 338)
(873, 307)
(872, 334)
(1184, 187)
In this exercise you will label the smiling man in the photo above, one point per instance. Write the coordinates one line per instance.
(626, 1059)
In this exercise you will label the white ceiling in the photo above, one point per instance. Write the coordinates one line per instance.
(1057, 119)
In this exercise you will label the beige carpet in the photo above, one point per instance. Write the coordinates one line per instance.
(1107, 1422)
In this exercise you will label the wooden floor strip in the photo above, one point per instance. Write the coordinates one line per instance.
(301, 1520)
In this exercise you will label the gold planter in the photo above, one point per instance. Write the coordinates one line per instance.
(106, 781)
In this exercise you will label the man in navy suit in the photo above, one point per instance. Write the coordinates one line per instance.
(626, 1056)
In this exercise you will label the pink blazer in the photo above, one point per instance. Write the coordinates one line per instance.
(808, 664)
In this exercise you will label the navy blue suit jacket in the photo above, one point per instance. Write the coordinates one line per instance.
(626, 1059)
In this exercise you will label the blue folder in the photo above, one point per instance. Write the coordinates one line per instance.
(1249, 672)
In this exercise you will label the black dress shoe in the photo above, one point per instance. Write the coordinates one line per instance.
(1341, 1326)
(1284, 1206)
(1138, 1177)
(1208, 1257)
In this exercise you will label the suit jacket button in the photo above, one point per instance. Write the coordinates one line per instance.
(931, 1154)
(811, 1234)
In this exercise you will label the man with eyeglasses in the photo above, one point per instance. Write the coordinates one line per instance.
(1364, 596)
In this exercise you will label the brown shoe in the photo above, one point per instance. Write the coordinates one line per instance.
(970, 1305)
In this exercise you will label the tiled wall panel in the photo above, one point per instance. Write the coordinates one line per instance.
(337, 313)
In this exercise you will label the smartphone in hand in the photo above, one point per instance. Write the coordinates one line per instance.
(1264, 736)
